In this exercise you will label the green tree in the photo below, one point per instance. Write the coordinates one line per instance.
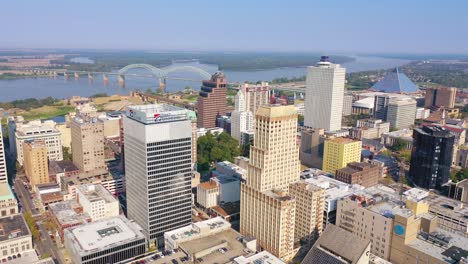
(187, 88)
(213, 148)
(67, 154)
(399, 144)
(459, 175)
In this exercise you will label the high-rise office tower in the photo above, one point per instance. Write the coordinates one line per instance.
(241, 119)
(88, 144)
(267, 210)
(158, 168)
(338, 152)
(440, 97)
(3, 165)
(212, 100)
(256, 95)
(249, 98)
(401, 112)
(36, 162)
(431, 156)
(381, 106)
(324, 95)
(347, 105)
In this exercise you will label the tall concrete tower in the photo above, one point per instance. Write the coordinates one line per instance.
(267, 209)
(158, 168)
(324, 95)
(3, 165)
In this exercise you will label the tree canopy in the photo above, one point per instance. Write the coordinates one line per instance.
(460, 175)
(214, 148)
(399, 144)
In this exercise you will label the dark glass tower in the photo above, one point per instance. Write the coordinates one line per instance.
(431, 156)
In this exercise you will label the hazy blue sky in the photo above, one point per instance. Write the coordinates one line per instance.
(408, 26)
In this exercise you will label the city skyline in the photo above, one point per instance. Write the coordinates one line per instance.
(332, 27)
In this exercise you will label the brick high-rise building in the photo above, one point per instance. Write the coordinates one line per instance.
(440, 97)
(36, 162)
(88, 144)
(212, 100)
(361, 173)
(267, 209)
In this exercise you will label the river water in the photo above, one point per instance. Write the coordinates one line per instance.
(61, 88)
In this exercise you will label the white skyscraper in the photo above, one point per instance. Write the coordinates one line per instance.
(247, 101)
(241, 119)
(324, 95)
(158, 168)
(3, 167)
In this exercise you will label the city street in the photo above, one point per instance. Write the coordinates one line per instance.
(44, 246)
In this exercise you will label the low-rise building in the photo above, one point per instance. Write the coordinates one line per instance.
(203, 239)
(337, 245)
(62, 168)
(422, 113)
(15, 238)
(361, 173)
(229, 188)
(8, 202)
(114, 183)
(417, 238)
(208, 194)
(369, 129)
(230, 169)
(462, 157)
(334, 190)
(68, 214)
(263, 257)
(214, 131)
(388, 139)
(459, 191)
(107, 241)
(97, 201)
(369, 214)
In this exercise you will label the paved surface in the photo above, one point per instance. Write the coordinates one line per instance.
(45, 246)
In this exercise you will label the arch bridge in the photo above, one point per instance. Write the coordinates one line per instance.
(161, 73)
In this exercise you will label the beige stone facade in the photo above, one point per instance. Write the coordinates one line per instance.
(88, 144)
(36, 162)
(267, 209)
(310, 210)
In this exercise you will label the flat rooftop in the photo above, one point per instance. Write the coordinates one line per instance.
(234, 247)
(455, 248)
(334, 189)
(448, 207)
(12, 227)
(68, 213)
(157, 113)
(90, 177)
(5, 191)
(101, 235)
(61, 166)
(96, 192)
(208, 185)
(263, 257)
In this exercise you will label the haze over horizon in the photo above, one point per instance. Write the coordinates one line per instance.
(296, 26)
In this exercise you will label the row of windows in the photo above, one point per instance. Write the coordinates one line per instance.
(105, 252)
(169, 146)
(171, 163)
(170, 206)
(173, 169)
(157, 153)
(163, 177)
(164, 197)
(168, 142)
(118, 256)
(168, 185)
(175, 154)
